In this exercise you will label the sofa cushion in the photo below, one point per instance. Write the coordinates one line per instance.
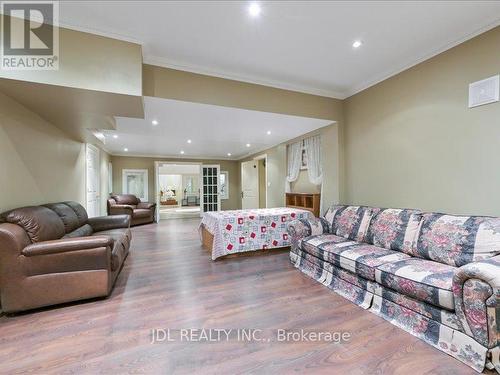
(349, 221)
(121, 243)
(421, 279)
(80, 212)
(126, 199)
(394, 229)
(83, 231)
(67, 215)
(142, 213)
(40, 223)
(313, 243)
(458, 240)
(359, 258)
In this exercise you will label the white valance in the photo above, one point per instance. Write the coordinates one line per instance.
(313, 152)
(294, 162)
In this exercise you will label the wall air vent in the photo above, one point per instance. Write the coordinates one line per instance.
(484, 92)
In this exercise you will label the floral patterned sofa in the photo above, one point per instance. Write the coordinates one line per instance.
(437, 276)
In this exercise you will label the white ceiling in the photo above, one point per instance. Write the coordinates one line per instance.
(214, 131)
(299, 45)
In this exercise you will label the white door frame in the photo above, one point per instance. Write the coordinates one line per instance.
(202, 186)
(264, 157)
(157, 182)
(146, 182)
(97, 177)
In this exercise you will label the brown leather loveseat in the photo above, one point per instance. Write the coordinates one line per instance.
(128, 204)
(54, 253)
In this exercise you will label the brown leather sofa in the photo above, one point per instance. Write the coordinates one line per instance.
(54, 254)
(128, 204)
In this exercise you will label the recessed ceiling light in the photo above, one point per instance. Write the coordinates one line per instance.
(248, 145)
(269, 132)
(254, 9)
(154, 122)
(182, 152)
(125, 149)
(115, 136)
(357, 43)
(228, 154)
(188, 141)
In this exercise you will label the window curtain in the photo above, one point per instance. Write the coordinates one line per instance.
(313, 152)
(294, 161)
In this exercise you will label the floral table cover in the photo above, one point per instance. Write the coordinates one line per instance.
(238, 231)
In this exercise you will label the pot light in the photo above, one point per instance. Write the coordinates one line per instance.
(254, 9)
(248, 145)
(188, 141)
(125, 149)
(115, 136)
(182, 152)
(154, 122)
(357, 44)
(269, 132)
(228, 154)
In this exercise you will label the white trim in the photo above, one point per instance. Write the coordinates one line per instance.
(98, 175)
(447, 46)
(146, 182)
(168, 63)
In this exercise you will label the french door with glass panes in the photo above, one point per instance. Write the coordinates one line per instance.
(210, 199)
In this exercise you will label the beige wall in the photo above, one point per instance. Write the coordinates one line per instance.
(38, 162)
(180, 85)
(412, 141)
(92, 62)
(126, 162)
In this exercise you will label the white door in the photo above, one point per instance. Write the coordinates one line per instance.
(135, 181)
(250, 184)
(210, 198)
(93, 183)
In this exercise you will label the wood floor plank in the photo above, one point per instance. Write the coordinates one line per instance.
(169, 281)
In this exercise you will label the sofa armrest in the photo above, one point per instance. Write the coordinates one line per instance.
(476, 290)
(101, 223)
(146, 205)
(121, 209)
(66, 245)
(298, 229)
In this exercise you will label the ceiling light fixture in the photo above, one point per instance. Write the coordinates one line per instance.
(248, 145)
(228, 154)
(269, 132)
(188, 141)
(125, 149)
(357, 43)
(154, 122)
(254, 9)
(115, 136)
(182, 152)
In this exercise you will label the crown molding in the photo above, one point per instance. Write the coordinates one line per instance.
(167, 63)
(177, 157)
(449, 45)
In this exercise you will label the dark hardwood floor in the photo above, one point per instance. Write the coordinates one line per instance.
(169, 281)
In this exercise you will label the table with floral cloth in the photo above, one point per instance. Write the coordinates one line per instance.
(248, 230)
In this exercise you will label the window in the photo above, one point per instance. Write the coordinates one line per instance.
(224, 185)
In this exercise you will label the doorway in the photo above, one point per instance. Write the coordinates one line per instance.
(254, 183)
(178, 187)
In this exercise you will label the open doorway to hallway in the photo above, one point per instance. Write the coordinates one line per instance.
(178, 190)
